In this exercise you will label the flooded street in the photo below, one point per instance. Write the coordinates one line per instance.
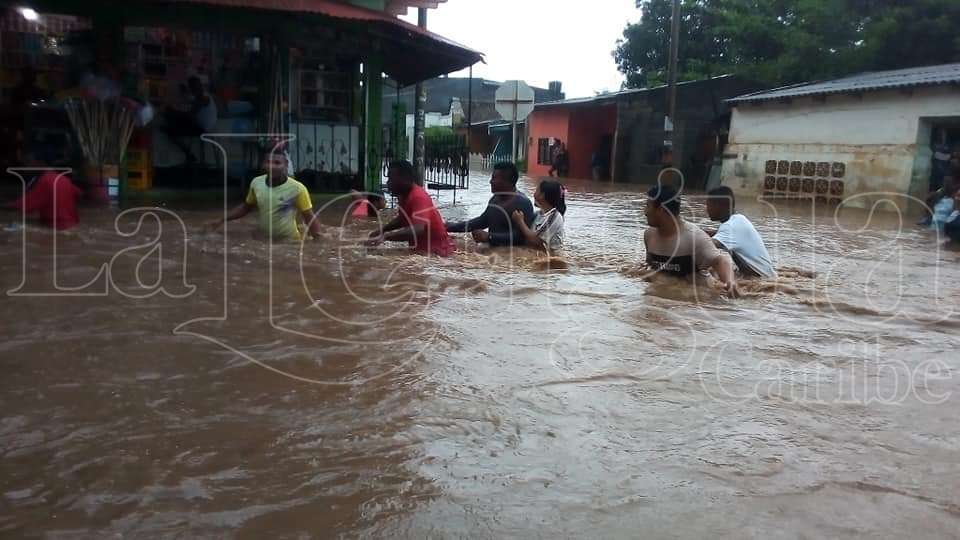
(200, 389)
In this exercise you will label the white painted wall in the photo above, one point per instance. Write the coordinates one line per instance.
(430, 119)
(881, 138)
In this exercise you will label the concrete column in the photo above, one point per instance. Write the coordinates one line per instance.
(373, 125)
(419, 112)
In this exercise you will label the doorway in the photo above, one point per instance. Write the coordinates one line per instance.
(938, 142)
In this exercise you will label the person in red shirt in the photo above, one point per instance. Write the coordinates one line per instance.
(418, 223)
(53, 199)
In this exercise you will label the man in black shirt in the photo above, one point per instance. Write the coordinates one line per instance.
(494, 225)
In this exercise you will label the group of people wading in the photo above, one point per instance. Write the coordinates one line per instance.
(674, 246)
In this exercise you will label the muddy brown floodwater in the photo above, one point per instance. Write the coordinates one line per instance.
(196, 390)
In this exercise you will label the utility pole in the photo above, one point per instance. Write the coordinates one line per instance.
(513, 137)
(419, 112)
(669, 124)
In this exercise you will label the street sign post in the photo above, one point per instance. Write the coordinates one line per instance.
(514, 102)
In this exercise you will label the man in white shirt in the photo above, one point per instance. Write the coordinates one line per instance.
(738, 236)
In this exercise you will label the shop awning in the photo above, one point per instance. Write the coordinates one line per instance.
(406, 65)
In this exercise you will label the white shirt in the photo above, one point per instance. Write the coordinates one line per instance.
(549, 228)
(942, 211)
(738, 236)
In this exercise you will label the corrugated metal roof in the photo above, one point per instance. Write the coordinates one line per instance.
(875, 80)
(614, 95)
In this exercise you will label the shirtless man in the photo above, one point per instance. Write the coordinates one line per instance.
(678, 248)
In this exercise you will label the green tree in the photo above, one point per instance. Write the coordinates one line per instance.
(783, 42)
(899, 34)
(436, 134)
(644, 49)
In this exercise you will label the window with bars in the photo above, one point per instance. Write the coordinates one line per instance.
(543, 152)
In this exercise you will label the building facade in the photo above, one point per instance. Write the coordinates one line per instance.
(625, 131)
(858, 140)
(313, 73)
(583, 128)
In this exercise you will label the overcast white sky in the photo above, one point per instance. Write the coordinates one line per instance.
(539, 40)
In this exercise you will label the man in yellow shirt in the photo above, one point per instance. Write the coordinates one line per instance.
(279, 200)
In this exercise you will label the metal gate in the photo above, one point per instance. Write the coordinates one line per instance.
(447, 164)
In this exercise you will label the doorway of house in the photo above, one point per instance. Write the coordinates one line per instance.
(605, 158)
(938, 142)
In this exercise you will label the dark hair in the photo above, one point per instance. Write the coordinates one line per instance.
(405, 168)
(723, 193)
(509, 167)
(667, 197)
(267, 153)
(553, 192)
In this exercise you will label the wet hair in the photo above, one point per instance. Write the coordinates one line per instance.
(404, 168)
(553, 192)
(667, 197)
(725, 194)
(510, 168)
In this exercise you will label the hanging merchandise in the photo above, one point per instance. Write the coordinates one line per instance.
(103, 128)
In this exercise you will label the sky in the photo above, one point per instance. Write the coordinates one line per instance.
(539, 41)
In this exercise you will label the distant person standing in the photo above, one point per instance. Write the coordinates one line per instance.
(679, 248)
(419, 222)
(555, 159)
(940, 162)
(596, 166)
(563, 162)
(738, 236)
(495, 225)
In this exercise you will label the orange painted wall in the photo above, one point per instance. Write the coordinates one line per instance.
(544, 124)
(579, 127)
(588, 125)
